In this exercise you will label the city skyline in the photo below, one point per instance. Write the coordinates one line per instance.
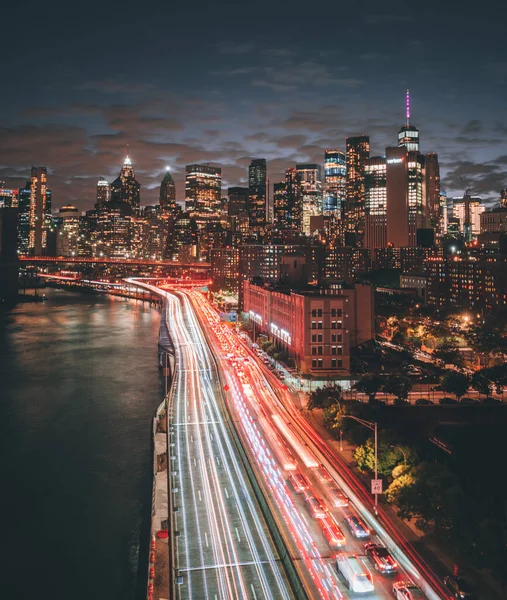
(226, 102)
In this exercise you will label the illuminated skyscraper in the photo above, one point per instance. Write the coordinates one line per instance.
(24, 218)
(257, 193)
(335, 176)
(167, 196)
(237, 201)
(459, 211)
(375, 231)
(38, 212)
(408, 135)
(203, 191)
(311, 193)
(287, 202)
(126, 189)
(358, 150)
(103, 193)
(8, 197)
(503, 198)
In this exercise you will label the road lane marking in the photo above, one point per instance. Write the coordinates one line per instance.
(253, 591)
(199, 493)
(237, 533)
(206, 536)
(226, 492)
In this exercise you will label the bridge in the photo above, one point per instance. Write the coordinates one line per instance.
(134, 262)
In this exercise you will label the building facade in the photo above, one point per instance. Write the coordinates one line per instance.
(357, 151)
(125, 189)
(258, 193)
(317, 329)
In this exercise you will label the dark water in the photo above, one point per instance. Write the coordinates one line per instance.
(79, 384)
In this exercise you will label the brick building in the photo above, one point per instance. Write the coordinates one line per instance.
(317, 328)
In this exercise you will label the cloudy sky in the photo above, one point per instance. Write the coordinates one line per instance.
(225, 81)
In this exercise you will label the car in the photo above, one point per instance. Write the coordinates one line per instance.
(316, 507)
(357, 527)
(337, 497)
(447, 400)
(423, 402)
(298, 482)
(406, 590)
(332, 533)
(355, 573)
(459, 587)
(381, 558)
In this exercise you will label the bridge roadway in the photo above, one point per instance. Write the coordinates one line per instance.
(224, 549)
(102, 260)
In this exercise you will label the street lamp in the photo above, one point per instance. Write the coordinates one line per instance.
(372, 425)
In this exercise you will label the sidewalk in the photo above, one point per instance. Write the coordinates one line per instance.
(429, 548)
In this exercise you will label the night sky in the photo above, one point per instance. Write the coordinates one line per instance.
(223, 82)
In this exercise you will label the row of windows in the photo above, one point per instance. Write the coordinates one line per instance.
(334, 324)
(320, 350)
(334, 337)
(318, 364)
(335, 312)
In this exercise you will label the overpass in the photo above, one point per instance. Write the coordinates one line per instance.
(134, 262)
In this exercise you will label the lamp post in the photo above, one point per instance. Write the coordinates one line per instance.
(372, 425)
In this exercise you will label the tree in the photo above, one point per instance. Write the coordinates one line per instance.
(370, 384)
(397, 385)
(390, 455)
(398, 487)
(482, 383)
(325, 397)
(455, 383)
(434, 498)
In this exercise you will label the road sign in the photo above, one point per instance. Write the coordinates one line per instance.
(376, 486)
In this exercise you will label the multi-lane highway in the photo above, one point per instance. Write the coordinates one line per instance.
(222, 546)
(282, 444)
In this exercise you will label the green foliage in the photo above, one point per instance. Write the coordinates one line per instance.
(398, 487)
(455, 383)
(390, 455)
(433, 498)
(482, 383)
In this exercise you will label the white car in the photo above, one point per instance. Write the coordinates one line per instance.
(406, 590)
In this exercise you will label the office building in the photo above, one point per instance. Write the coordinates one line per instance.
(375, 202)
(182, 238)
(459, 211)
(335, 180)
(126, 190)
(317, 329)
(433, 192)
(8, 198)
(225, 269)
(346, 263)
(203, 192)
(503, 198)
(311, 194)
(103, 194)
(258, 193)
(24, 219)
(167, 195)
(237, 203)
(68, 231)
(39, 212)
(397, 189)
(357, 151)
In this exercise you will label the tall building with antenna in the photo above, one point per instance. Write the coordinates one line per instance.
(408, 135)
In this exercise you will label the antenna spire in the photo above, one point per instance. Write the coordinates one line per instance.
(407, 105)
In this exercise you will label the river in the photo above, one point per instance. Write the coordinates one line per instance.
(79, 383)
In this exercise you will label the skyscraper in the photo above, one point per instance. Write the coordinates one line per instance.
(397, 202)
(358, 150)
(24, 219)
(103, 193)
(408, 135)
(503, 198)
(237, 201)
(335, 176)
(375, 204)
(433, 207)
(126, 189)
(311, 193)
(39, 196)
(257, 193)
(203, 190)
(475, 208)
(167, 197)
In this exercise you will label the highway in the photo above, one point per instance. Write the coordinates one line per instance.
(281, 443)
(222, 546)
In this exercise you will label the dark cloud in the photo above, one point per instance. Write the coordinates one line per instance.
(380, 18)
